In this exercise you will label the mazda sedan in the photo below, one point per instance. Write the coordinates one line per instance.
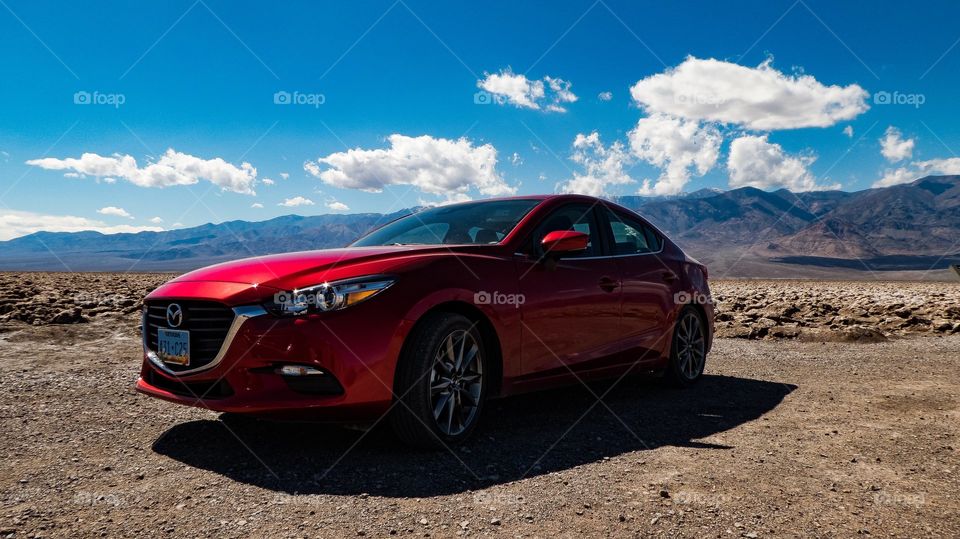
(425, 319)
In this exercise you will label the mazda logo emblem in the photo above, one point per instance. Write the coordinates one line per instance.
(174, 315)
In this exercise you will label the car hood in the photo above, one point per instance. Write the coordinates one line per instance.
(293, 270)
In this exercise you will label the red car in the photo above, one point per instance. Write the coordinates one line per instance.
(431, 315)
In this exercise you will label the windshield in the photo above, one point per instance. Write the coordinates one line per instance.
(481, 223)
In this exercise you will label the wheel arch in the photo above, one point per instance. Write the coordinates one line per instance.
(488, 333)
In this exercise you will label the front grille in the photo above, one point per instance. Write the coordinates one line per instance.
(208, 323)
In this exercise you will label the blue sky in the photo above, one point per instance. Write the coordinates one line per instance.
(201, 77)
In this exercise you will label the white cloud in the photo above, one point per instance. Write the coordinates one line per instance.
(522, 92)
(268, 181)
(756, 162)
(894, 147)
(296, 201)
(284, 175)
(918, 169)
(760, 98)
(605, 96)
(679, 147)
(435, 166)
(896, 177)
(947, 167)
(115, 211)
(14, 223)
(603, 166)
(173, 168)
(156, 220)
(256, 205)
(337, 206)
(848, 131)
(516, 160)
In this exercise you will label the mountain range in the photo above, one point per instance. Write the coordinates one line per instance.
(745, 232)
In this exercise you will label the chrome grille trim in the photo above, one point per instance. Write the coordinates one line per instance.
(241, 314)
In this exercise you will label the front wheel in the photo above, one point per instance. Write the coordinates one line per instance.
(440, 383)
(688, 354)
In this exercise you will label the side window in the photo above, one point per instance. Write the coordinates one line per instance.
(631, 236)
(578, 217)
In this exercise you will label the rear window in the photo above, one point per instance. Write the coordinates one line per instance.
(631, 236)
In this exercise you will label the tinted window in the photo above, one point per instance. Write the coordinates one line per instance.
(481, 222)
(578, 217)
(630, 236)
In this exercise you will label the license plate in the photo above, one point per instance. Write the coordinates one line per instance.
(173, 346)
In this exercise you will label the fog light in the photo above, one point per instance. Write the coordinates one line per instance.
(298, 370)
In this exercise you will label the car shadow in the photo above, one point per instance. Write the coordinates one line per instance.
(519, 437)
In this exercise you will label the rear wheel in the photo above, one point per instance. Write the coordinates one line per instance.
(440, 383)
(688, 355)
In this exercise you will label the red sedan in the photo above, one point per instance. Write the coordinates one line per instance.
(426, 318)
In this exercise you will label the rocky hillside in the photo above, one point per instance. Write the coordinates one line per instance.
(910, 227)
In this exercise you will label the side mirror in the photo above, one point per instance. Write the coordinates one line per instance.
(560, 242)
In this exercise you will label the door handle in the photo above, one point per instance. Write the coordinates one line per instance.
(608, 284)
(669, 276)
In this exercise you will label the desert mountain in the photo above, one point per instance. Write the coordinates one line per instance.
(742, 231)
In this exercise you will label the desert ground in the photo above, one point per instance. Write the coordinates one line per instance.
(828, 409)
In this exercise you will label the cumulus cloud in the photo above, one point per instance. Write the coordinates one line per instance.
(848, 131)
(337, 206)
(896, 176)
(918, 169)
(173, 168)
(603, 166)
(759, 98)
(754, 161)
(115, 211)
(894, 147)
(435, 166)
(605, 96)
(268, 181)
(284, 175)
(679, 147)
(156, 220)
(548, 94)
(296, 201)
(256, 205)
(14, 223)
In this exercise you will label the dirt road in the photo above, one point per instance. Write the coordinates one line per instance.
(782, 438)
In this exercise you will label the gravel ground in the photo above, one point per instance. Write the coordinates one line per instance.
(783, 437)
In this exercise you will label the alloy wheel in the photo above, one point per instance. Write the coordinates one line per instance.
(691, 346)
(456, 382)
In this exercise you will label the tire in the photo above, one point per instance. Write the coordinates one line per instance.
(688, 351)
(438, 399)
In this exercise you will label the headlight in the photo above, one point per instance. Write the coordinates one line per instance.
(330, 296)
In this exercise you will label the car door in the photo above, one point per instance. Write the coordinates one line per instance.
(648, 282)
(571, 305)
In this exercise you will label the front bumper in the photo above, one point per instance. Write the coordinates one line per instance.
(355, 349)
